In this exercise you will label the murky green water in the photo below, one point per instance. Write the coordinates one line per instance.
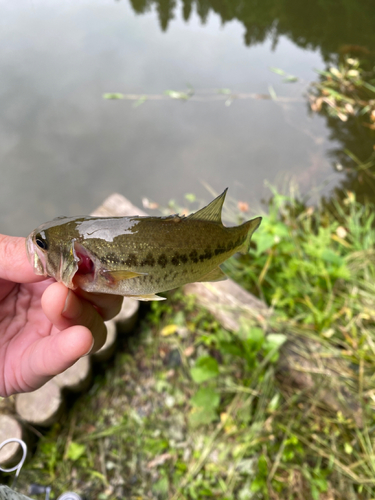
(63, 148)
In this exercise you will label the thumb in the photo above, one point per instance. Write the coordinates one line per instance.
(14, 264)
(54, 354)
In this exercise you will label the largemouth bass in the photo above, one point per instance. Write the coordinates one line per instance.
(137, 256)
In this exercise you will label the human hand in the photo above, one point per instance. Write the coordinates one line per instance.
(44, 327)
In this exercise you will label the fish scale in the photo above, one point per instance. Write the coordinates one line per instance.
(137, 256)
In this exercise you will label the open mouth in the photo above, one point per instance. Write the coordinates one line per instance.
(86, 266)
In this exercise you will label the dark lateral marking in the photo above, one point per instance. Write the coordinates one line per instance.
(148, 261)
(175, 259)
(131, 260)
(219, 250)
(183, 258)
(206, 255)
(194, 256)
(162, 260)
(230, 246)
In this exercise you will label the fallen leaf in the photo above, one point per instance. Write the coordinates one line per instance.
(169, 330)
(189, 351)
(159, 460)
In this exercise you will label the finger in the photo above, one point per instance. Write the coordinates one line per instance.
(107, 305)
(14, 264)
(52, 355)
(65, 309)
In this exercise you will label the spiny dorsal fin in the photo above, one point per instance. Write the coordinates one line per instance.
(212, 212)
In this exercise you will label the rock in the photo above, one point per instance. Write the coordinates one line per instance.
(110, 344)
(117, 205)
(127, 317)
(10, 428)
(8, 494)
(78, 377)
(227, 302)
(42, 407)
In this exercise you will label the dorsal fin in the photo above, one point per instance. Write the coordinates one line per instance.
(212, 212)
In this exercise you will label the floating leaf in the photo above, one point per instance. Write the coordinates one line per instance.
(140, 101)
(272, 92)
(190, 197)
(175, 94)
(113, 95)
(290, 79)
(278, 71)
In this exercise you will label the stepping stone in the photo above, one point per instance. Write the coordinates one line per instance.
(42, 407)
(109, 347)
(127, 317)
(78, 377)
(8, 494)
(10, 428)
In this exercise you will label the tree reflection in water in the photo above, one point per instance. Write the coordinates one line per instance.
(337, 28)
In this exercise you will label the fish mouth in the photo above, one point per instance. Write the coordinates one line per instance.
(36, 257)
(84, 266)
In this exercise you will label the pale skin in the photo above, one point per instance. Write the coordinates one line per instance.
(44, 327)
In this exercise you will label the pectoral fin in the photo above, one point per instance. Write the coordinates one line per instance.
(215, 275)
(120, 275)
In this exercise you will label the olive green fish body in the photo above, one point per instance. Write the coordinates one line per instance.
(137, 256)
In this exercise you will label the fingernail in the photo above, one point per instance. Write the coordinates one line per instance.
(73, 306)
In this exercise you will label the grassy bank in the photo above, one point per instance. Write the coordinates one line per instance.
(188, 410)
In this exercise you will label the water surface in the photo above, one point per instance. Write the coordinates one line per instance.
(63, 148)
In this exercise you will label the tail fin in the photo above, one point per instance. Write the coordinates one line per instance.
(252, 225)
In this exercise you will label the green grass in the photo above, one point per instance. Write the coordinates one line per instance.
(190, 411)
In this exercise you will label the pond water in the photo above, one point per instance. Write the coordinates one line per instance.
(64, 148)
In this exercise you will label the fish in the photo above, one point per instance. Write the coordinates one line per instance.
(137, 256)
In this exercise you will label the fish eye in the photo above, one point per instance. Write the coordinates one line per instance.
(40, 242)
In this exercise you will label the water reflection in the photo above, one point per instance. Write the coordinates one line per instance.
(338, 29)
(332, 27)
(63, 148)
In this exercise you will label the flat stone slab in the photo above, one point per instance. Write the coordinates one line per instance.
(8, 494)
(127, 317)
(77, 378)
(42, 407)
(10, 428)
(109, 347)
(227, 302)
(117, 205)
